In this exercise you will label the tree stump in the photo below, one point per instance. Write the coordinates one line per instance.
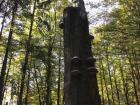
(80, 82)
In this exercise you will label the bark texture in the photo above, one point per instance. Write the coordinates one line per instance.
(80, 84)
(8, 47)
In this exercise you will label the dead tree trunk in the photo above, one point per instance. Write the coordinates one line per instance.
(80, 84)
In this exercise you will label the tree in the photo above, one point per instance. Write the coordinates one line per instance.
(4, 65)
(25, 65)
(80, 84)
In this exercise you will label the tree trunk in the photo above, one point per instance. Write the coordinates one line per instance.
(110, 80)
(7, 74)
(59, 75)
(3, 21)
(1, 4)
(124, 86)
(28, 88)
(116, 86)
(12, 88)
(41, 100)
(49, 72)
(24, 68)
(133, 81)
(37, 85)
(102, 88)
(80, 84)
(107, 93)
(136, 65)
(4, 65)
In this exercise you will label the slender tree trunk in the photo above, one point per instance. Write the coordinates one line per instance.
(3, 21)
(133, 74)
(116, 86)
(107, 93)
(24, 68)
(37, 85)
(59, 76)
(102, 88)
(11, 100)
(48, 81)
(41, 100)
(136, 65)
(4, 65)
(6, 77)
(28, 88)
(135, 88)
(124, 86)
(133, 81)
(9, 67)
(49, 72)
(18, 88)
(39, 96)
(1, 4)
(110, 80)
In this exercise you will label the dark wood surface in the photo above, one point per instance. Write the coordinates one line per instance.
(80, 82)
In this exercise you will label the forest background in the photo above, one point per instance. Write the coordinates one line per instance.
(31, 50)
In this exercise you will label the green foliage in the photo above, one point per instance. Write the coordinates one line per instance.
(116, 48)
